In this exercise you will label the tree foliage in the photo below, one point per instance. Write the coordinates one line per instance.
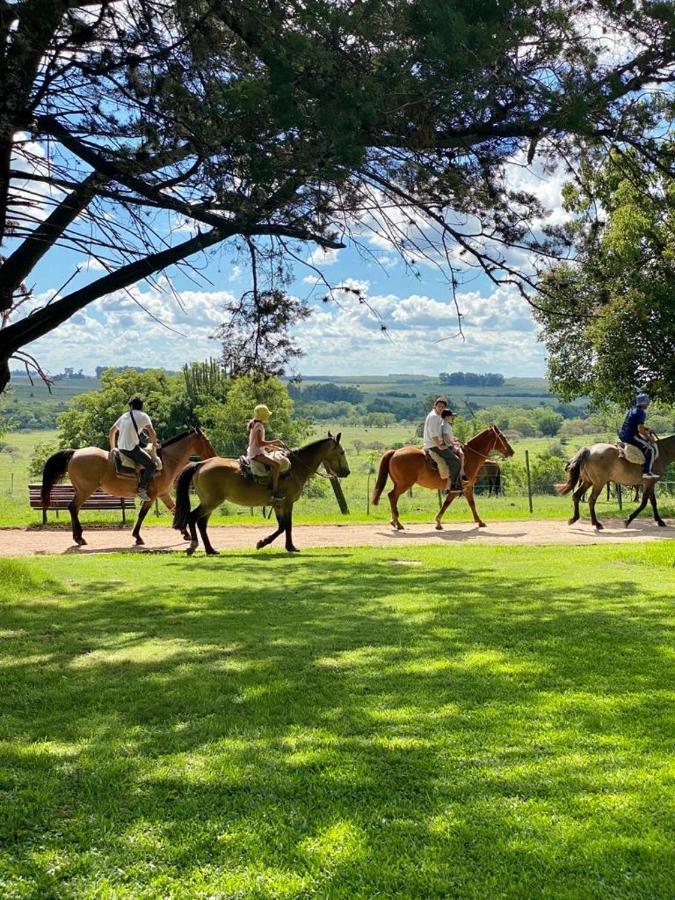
(172, 126)
(608, 318)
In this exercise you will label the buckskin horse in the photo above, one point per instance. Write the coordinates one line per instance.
(220, 479)
(91, 468)
(595, 466)
(409, 466)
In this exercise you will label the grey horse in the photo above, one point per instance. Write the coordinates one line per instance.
(595, 466)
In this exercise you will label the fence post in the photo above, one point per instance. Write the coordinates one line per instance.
(368, 494)
(339, 495)
(618, 497)
(529, 480)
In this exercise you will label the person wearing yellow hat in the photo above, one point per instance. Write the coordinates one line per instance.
(257, 445)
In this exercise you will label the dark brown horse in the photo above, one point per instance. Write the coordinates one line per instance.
(491, 475)
(595, 466)
(91, 468)
(408, 466)
(220, 479)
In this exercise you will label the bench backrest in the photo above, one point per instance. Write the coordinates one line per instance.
(62, 494)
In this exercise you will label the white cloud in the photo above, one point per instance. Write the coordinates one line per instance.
(322, 257)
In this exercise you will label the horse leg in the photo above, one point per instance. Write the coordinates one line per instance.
(290, 547)
(142, 513)
(576, 497)
(645, 497)
(263, 542)
(202, 522)
(657, 517)
(74, 508)
(468, 493)
(393, 495)
(595, 493)
(446, 503)
(194, 516)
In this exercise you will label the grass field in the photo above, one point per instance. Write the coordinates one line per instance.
(474, 723)
(421, 507)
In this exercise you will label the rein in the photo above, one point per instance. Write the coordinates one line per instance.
(477, 452)
(295, 457)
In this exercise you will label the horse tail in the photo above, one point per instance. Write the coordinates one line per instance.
(182, 510)
(382, 476)
(573, 469)
(54, 470)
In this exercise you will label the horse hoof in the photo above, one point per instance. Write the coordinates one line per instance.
(211, 552)
(662, 524)
(599, 527)
(439, 527)
(292, 550)
(571, 521)
(185, 535)
(482, 525)
(260, 545)
(81, 542)
(139, 541)
(190, 550)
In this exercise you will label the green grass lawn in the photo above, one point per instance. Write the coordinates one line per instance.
(469, 722)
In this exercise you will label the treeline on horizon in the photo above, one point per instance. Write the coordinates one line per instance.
(472, 379)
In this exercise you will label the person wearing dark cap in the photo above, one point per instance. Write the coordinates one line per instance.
(635, 432)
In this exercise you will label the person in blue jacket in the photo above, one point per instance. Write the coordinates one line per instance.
(633, 431)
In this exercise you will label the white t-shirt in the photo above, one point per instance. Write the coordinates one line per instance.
(127, 438)
(432, 429)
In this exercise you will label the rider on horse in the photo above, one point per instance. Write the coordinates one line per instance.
(449, 439)
(433, 442)
(633, 431)
(127, 429)
(257, 447)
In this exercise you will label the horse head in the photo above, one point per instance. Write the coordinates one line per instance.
(335, 459)
(204, 447)
(501, 445)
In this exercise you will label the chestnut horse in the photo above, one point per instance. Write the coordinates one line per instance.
(91, 468)
(408, 466)
(221, 479)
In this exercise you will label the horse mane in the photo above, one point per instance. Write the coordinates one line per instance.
(312, 444)
(176, 437)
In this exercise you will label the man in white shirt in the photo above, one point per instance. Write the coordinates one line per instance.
(433, 442)
(127, 429)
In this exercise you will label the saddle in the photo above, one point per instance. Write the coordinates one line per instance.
(633, 454)
(126, 467)
(258, 472)
(432, 465)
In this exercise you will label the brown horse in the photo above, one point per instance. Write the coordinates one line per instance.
(91, 468)
(221, 479)
(595, 466)
(408, 466)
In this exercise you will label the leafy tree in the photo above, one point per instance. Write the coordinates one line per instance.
(608, 319)
(91, 415)
(285, 123)
(547, 421)
(225, 421)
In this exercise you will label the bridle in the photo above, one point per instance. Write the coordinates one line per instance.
(496, 433)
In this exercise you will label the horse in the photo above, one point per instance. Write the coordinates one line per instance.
(220, 479)
(409, 466)
(595, 466)
(491, 475)
(91, 468)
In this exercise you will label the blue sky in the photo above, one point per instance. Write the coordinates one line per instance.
(148, 326)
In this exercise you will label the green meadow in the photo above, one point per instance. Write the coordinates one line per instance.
(351, 723)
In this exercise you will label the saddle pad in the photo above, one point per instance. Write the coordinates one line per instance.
(632, 454)
(437, 464)
(260, 470)
(124, 466)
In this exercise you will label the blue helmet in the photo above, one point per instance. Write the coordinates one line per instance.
(642, 398)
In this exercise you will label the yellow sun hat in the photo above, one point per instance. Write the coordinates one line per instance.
(261, 412)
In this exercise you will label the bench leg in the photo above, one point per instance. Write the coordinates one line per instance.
(124, 513)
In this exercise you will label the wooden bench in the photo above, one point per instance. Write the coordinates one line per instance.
(62, 495)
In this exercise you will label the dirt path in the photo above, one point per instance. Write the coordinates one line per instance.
(34, 542)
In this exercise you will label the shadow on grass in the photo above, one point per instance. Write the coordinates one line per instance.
(327, 724)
